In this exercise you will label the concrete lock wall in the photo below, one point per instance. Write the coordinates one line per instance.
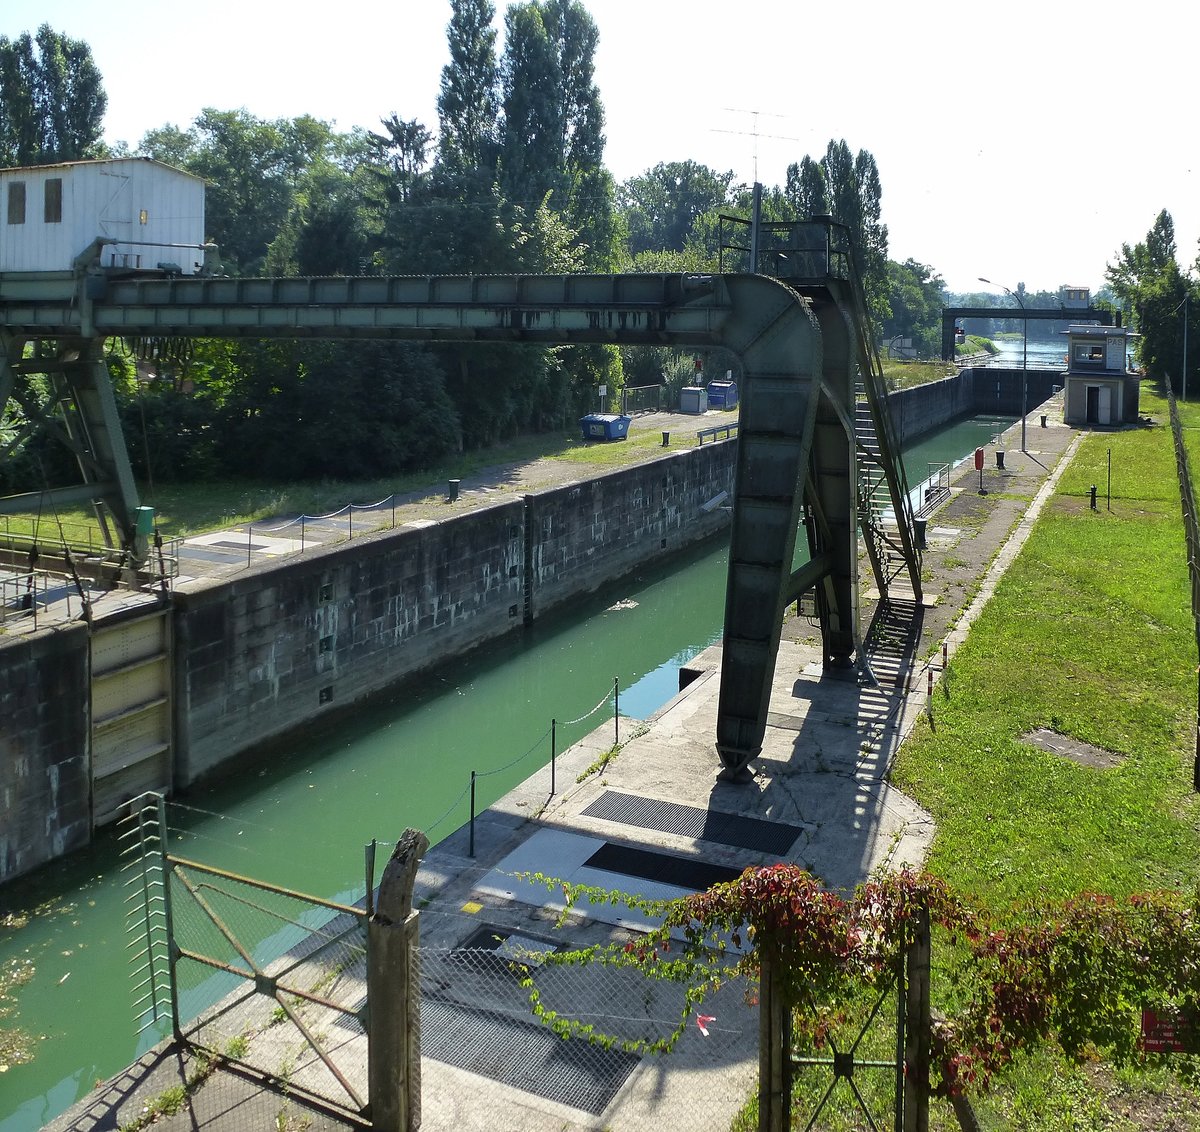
(45, 780)
(999, 390)
(922, 408)
(583, 534)
(261, 655)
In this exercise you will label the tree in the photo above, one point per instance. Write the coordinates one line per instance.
(403, 152)
(1147, 280)
(335, 222)
(916, 295)
(553, 137)
(805, 188)
(847, 186)
(469, 102)
(662, 205)
(254, 169)
(52, 99)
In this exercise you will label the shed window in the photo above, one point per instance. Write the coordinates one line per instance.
(16, 202)
(53, 213)
(1086, 353)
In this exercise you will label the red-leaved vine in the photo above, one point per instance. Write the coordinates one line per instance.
(1078, 973)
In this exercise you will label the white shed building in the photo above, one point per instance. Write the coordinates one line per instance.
(1099, 388)
(149, 216)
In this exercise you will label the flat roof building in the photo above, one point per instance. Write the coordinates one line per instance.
(1098, 387)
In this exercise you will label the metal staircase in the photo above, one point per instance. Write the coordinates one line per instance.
(841, 486)
(884, 505)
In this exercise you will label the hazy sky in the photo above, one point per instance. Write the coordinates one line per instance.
(1022, 141)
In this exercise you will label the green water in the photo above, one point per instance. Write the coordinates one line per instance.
(302, 819)
(951, 445)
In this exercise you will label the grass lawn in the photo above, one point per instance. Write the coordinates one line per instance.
(902, 375)
(1090, 633)
(192, 508)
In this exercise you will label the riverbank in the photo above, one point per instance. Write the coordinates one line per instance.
(824, 774)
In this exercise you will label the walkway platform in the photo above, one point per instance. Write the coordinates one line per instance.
(653, 820)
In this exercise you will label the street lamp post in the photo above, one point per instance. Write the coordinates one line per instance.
(1186, 295)
(1024, 354)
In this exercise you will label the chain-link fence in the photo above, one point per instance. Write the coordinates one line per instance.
(1191, 529)
(484, 1043)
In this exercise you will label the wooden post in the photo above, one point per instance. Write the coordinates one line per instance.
(394, 994)
(774, 1048)
(917, 1027)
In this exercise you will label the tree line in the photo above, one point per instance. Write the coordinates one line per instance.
(511, 179)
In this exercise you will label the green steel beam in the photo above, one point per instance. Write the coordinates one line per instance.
(797, 404)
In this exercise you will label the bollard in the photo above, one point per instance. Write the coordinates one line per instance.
(1092, 493)
(616, 711)
(1043, 420)
(919, 533)
(666, 439)
(1000, 460)
(393, 991)
(453, 491)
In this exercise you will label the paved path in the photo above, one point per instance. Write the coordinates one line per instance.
(225, 553)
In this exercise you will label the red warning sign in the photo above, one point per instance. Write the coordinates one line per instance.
(1170, 1030)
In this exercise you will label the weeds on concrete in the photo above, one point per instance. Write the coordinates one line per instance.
(172, 1100)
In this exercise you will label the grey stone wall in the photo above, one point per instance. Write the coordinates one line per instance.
(588, 533)
(923, 408)
(999, 390)
(45, 779)
(261, 655)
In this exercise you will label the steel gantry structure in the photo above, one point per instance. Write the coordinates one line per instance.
(816, 462)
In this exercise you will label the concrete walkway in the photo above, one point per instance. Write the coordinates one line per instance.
(820, 797)
(203, 558)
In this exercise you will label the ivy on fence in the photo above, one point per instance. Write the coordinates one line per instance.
(1077, 973)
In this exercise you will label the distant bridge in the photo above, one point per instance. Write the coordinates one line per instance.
(951, 316)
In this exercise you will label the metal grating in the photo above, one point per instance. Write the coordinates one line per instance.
(524, 1054)
(683, 872)
(691, 821)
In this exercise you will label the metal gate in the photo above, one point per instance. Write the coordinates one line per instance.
(874, 1056)
(856, 1064)
(130, 711)
(264, 978)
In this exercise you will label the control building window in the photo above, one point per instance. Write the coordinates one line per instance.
(16, 202)
(54, 201)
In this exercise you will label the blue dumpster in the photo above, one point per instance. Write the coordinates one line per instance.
(722, 395)
(604, 426)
